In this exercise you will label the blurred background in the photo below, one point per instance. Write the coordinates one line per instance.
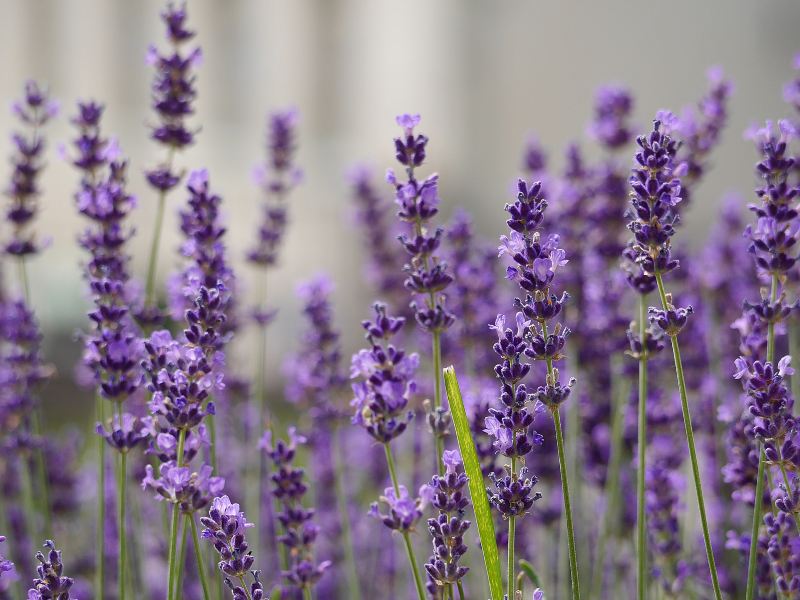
(484, 75)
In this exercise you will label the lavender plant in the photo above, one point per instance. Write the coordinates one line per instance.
(382, 390)
(299, 531)
(655, 188)
(536, 260)
(772, 246)
(225, 528)
(428, 275)
(158, 374)
(173, 93)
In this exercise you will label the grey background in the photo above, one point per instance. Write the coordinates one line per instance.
(484, 75)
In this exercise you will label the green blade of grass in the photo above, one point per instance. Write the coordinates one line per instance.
(480, 502)
(530, 573)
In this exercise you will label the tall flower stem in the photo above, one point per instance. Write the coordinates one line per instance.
(437, 394)
(562, 465)
(123, 542)
(173, 533)
(201, 570)
(406, 538)
(687, 424)
(354, 589)
(512, 534)
(611, 492)
(100, 544)
(759, 495)
(641, 517)
(152, 261)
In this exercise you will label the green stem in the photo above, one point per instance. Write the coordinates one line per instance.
(512, 534)
(181, 564)
(461, 595)
(687, 424)
(100, 543)
(562, 465)
(354, 590)
(758, 500)
(306, 593)
(199, 555)
(173, 533)
(759, 495)
(641, 517)
(123, 543)
(212, 434)
(152, 262)
(406, 538)
(437, 396)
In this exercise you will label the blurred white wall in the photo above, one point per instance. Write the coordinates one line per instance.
(483, 74)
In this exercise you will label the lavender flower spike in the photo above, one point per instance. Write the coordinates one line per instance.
(428, 275)
(225, 528)
(300, 532)
(34, 111)
(51, 584)
(6, 567)
(173, 95)
(449, 527)
(655, 190)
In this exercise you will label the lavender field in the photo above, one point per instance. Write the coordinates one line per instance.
(598, 402)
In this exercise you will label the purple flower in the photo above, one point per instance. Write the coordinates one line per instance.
(34, 111)
(403, 511)
(613, 107)
(385, 372)
(417, 203)
(449, 527)
(652, 214)
(314, 373)
(126, 432)
(191, 490)
(276, 177)
(173, 92)
(207, 266)
(300, 533)
(385, 260)
(50, 583)
(225, 528)
(6, 566)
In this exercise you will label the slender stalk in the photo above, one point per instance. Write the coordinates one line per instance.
(687, 424)
(201, 570)
(437, 395)
(406, 538)
(641, 517)
(181, 564)
(152, 262)
(461, 595)
(512, 527)
(306, 593)
(100, 543)
(562, 465)
(173, 533)
(123, 543)
(759, 495)
(354, 589)
(751, 563)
